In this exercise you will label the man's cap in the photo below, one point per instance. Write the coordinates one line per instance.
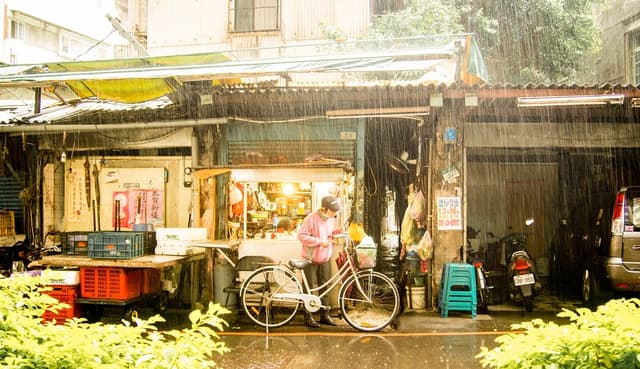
(331, 203)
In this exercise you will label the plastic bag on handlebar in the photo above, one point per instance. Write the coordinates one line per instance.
(356, 232)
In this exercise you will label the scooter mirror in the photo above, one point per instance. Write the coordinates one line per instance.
(528, 222)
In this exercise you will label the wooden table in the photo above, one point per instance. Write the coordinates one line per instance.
(147, 261)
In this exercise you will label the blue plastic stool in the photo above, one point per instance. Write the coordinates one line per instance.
(458, 289)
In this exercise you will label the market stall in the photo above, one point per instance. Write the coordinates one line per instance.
(270, 195)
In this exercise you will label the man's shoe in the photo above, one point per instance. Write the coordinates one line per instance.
(326, 319)
(310, 322)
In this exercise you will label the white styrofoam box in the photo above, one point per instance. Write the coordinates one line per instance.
(179, 251)
(173, 243)
(181, 234)
(65, 277)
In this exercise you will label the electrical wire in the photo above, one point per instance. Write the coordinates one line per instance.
(96, 44)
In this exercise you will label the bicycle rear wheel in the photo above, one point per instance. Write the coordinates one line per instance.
(257, 296)
(369, 301)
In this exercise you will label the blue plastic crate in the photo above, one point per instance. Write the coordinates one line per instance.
(117, 245)
(74, 243)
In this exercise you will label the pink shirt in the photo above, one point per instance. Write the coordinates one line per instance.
(314, 229)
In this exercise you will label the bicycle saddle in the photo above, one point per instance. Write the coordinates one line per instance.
(299, 263)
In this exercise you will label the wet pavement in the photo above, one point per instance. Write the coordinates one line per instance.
(421, 339)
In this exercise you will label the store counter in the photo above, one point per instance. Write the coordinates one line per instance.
(280, 250)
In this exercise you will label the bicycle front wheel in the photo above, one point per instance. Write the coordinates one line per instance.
(369, 301)
(260, 300)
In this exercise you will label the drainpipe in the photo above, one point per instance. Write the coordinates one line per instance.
(195, 150)
(38, 100)
(38, 129)
(58, 195)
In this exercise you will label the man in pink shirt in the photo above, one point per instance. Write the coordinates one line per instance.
(316, 236)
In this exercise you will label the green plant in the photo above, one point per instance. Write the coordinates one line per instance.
(606, 338)
(29, 342)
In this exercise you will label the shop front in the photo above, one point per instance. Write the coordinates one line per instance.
(268, 204)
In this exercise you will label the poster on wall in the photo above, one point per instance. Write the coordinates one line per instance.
(449, 213)
(90, 192)
(135, 196)
(138, 207)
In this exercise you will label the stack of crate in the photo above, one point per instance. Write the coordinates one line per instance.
(7, 223)
(113, 283)
(65, 287)
(120, 245)
(110, 283)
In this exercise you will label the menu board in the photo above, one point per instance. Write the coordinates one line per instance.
(449, 213)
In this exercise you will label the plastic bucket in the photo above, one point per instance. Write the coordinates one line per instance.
(417, 297)
(412, 263)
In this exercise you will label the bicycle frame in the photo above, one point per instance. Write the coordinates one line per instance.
(368, 300)
(311, 300)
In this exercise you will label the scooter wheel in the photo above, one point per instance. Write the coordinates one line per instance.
(528, 303)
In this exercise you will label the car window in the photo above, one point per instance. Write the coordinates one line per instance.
(635, 211)
(632, 210)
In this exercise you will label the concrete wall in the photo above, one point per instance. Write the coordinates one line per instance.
(177, 196)
(618, 18)
(207, 28)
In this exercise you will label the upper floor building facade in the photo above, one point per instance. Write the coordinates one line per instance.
(619, 58)
(36, 31)
(250, 25)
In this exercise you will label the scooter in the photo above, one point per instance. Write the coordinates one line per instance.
(521, 273)
(482, 283)
(475, 258)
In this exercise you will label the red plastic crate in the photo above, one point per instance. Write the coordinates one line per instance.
(110, 283)
(150, 280)
(67, 295)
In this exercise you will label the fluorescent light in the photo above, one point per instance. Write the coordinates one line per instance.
(609, 99)
(377, 112)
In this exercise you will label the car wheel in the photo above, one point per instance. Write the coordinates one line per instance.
(590, 288)
(586, 286)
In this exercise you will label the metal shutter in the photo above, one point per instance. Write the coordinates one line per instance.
(10, 200)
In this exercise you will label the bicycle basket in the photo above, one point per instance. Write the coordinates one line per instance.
(285, 281)
(366, 254)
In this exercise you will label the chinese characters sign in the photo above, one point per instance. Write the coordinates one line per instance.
(139, 206)
(449, 213)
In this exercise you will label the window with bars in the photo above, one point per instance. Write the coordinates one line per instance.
(636, 65)
(634, 43)
(18, 30)
(254, 15)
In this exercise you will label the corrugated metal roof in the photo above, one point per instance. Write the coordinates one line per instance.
(268, 102)
(90, 106)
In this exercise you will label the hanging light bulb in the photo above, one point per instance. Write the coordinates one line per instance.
(63, 157)
(288, 189)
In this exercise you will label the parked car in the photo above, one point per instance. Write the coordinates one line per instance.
(598, 248)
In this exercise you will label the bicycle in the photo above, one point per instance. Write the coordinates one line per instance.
(368, 300)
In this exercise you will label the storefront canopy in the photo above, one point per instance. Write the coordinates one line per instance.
(144, 79)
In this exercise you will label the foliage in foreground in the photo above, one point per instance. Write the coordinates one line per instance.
(606, 338)
(28, 342)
